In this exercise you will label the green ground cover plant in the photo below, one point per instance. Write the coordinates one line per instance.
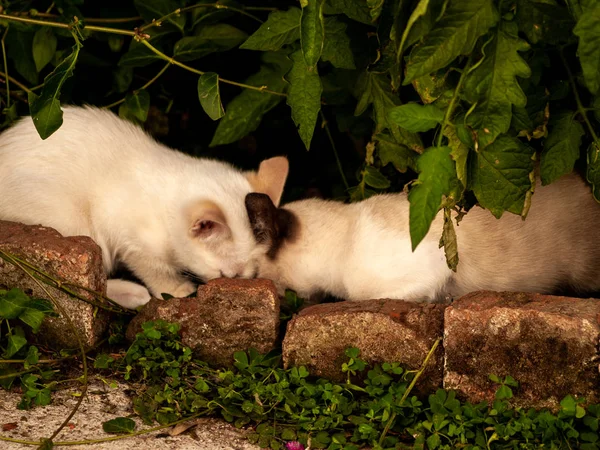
(464, 95)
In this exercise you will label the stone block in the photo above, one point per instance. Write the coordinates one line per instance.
(548, 344)
(76, 259)
(383, 330)
(227, 315)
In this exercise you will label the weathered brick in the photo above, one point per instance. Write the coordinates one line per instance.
(226, 316)
(75, 259)
(383, 330)
(548, 344)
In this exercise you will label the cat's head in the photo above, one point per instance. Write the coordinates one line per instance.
(272, 227)
(220, 240)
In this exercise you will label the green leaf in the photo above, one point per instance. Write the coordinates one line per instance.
(437, 175)
(336, 48)
(419, 11)
(375, 178)
(102, 361)
(32, 316)
(122, 78)
(156, 9)
(44, 47)
(588, 31)
(416, 118)
(312, 31)
(304, 96)
(561, 147)
(459, 151)
(14, 343)
(45, 109)
(434, 441)
(18, 48)
(135, 107)
(210, 98)
(138, 56)
(430, 87)
(390, 151)
(377, 90)
(32, 358)
(493, 84)
(544, 20)
(504, 393)
(213, 38)
(355, 9)
(119, 425)
(12, 303)
(500, 175)
(455, 34)
(46, 444)
(245, 112)
(281, 28)
(593, 169)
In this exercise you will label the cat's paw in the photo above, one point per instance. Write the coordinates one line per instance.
(184, 290)
(127, 294)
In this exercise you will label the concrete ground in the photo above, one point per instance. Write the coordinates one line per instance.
(103, 403)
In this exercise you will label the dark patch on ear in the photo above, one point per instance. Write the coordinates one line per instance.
(271, 226)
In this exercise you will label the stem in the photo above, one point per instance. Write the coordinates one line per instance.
(60, 285)
(66, 25)
(580, 107)
(199, 72)
(145, 86)
(179, 11)
(333, 147)
(452, 105)
(392, 418)
(64, 314)
(6, 77)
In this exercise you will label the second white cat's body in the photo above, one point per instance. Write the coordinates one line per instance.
(158, 211)
(363, 250)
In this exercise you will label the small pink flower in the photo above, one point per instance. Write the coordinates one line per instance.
(294, 445)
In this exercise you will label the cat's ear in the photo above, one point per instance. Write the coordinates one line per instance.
(270, 177)
(207, 221)
(262, 213)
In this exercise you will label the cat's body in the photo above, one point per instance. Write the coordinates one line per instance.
(158, 211)
(363, 250)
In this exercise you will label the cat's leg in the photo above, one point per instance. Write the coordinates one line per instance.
(127, 293)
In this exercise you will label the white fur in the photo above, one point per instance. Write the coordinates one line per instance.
(103, 177)
(363, 250)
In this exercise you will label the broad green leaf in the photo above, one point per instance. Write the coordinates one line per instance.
(45, 109)
(33, 357)
(493, 84)
(437, 177)
(588, 31)
(455, 34)
(122, 78)
(593, 169)
(500, 175)
(430, 87)
(213, 38)
(119, 425)
(135, 107)
(14, 344)
(355, 9)
(375, 178)
(12, 303)
(561, 147)
(245, 111)
(312, 31)
(34, 313)
(44, 47)
(156, 9)
(399, 155)
(304, 96)
(376, 89)
(18, 48)
(543, 20)
(102, 361)
(416, 118)
(336, 48)
(281, 28)
(449, 241)
(210, 98)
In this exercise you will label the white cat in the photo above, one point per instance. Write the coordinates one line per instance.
(363, 250)
(158, 211)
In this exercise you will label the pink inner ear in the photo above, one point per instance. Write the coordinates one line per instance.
(206, 219)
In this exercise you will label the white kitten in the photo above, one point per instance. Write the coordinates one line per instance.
(158, 211)
(363, 250)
